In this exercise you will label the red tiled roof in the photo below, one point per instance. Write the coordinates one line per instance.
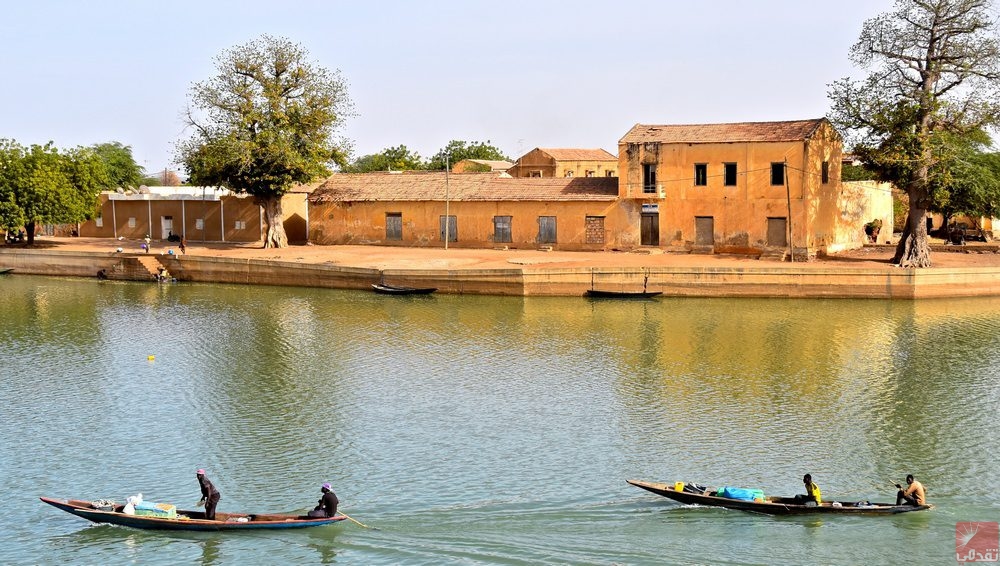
(565, 154)
(724, 133)
(430, 186)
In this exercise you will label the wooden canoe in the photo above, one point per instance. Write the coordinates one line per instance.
(6, 270)
(776, 505)
(189, 520)
(622, 294)
(398, 290)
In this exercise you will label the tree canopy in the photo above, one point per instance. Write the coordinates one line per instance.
(933, 88)
(122, 169)
(38, 184)
(265, 123)
(457, 150)
(969, 182)
(398, 158)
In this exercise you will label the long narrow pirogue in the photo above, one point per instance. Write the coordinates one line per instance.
(774, 505)
(187, 520)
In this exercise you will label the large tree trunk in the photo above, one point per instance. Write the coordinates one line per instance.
(275, 236)
(30, 229)
(913, 249)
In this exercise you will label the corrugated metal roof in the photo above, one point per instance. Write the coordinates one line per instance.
(724, 133)
(430, 186)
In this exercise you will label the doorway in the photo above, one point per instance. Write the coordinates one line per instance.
(777, 232)
(166, 227)
(704, 230)
(649, 229)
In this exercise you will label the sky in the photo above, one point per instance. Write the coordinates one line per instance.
(519, 74)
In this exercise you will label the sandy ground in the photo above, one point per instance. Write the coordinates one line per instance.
(386, 257)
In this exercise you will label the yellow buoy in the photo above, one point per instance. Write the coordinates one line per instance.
(151, 357)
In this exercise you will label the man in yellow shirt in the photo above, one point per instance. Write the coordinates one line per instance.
(913, 494)
(813, 495)
(812, 490)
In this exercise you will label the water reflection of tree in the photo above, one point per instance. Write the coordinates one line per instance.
(768, 378)
(940, 407)
(271, 365)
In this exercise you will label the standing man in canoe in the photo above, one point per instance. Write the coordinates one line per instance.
(327, 504)
(209, 495)
(913, 494)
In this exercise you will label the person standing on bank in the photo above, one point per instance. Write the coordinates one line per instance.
(209, 495)
(913, 494)
(327, 504)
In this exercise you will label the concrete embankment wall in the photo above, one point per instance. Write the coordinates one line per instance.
(764, 281)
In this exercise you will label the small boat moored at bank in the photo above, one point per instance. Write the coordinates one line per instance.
(177, 520)
(622, 294)
(771, 505)
(400, 290)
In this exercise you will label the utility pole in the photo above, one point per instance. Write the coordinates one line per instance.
(447, 198)
(788, 197)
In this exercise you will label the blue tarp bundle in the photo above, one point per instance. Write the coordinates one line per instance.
(740, 493)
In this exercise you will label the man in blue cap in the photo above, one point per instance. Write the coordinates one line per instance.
(327, 504)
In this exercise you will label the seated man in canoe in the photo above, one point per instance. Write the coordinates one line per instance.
(813, 495)
(327, 504)
(913, 494)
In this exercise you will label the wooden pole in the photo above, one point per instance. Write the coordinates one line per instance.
(788, 197)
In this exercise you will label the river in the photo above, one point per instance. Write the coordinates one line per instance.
(490, 430)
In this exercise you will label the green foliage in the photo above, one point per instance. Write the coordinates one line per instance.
(390, 159)
(38, 184)
(457, 150)
(122, 169)
(934, 87)
(266, 123)
(850, 172)
(972, 187)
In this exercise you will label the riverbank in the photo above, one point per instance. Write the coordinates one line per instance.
(967, 271)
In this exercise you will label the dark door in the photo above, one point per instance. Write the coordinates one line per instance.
(546, 229)
(451, 227)
(393, 226)
(649, 228)
(704, 230)
(777, 232)
(501, 229)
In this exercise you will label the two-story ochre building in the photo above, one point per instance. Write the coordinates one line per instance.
(742, 187)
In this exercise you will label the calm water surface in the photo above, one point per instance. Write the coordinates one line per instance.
(490, 429)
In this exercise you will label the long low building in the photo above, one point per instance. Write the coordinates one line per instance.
(482, 209)
(199, 214)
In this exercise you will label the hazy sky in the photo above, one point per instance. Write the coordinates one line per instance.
(518, 73)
